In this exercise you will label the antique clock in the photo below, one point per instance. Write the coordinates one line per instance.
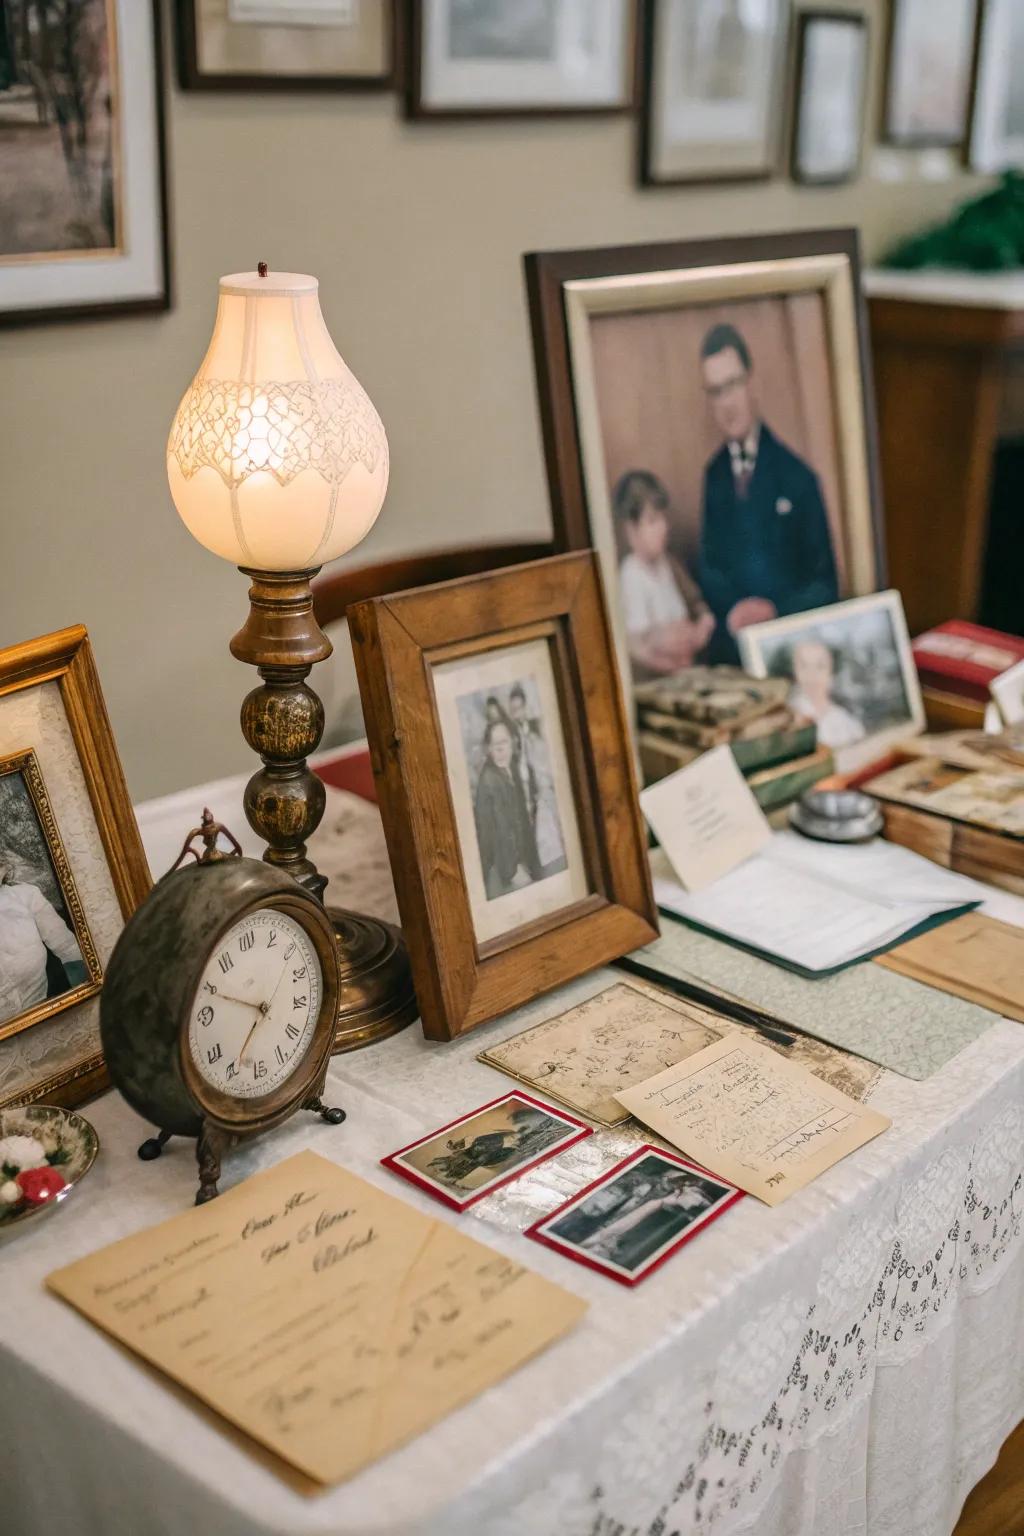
(218, 1009)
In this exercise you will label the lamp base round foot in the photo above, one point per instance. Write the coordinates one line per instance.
(377, 997)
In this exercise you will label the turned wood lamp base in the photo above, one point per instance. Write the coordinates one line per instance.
(283, 720)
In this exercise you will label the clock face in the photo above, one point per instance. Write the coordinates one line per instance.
(255, 1012)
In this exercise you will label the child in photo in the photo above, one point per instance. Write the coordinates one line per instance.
(668, 623)
(811, 696)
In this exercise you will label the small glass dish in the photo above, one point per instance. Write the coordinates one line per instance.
(44, 1153)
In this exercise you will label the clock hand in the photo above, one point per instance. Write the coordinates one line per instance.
(225, 997)
(263, 1010)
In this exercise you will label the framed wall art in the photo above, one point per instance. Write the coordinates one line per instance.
(852, 673)
(713, 77)
(997, 128)
(72, 868)
(285, 45)
(708, 425)
(506, 786)
(83, 200)
(928, 72)
(831, 91)
(473, 58)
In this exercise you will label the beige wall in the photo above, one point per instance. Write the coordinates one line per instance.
(416, 233)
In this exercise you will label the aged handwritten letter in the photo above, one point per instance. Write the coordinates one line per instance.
(327, 1319)
(758, 1120)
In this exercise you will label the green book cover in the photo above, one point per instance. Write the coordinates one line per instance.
(788, 781)
(779, 747)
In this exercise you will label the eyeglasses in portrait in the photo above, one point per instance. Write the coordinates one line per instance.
(852, 674)
(720, 450)
(82, 178)
(637, 1215)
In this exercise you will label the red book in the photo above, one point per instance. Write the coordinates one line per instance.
(963, 658)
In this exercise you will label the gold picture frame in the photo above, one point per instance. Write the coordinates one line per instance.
(55, 732)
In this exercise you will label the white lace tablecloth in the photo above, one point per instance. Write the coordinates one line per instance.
(847, 1364)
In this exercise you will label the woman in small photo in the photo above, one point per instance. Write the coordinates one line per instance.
(39, 954)
(504, 828)
(811, 695)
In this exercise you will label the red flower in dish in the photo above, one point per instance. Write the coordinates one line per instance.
(39, 1185)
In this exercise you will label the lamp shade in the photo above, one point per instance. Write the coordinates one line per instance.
(277, 459)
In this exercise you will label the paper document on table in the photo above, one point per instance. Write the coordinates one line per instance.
(753, 1117)
(975, 957)
(705, 818)
(816, 906)
(329, 1320)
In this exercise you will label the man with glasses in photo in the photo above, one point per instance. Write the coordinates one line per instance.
(765, 546)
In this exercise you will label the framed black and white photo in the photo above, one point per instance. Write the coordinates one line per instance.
(709, 429)
(828, 121)
(637, 1215)
(470, 58)
(928, 73)
(285, 45)
(997, 129)
(713, 76)
(83, 215)
(851, 672)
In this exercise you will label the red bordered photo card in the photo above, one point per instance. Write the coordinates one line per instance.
(629, 1221)
(466, 1160)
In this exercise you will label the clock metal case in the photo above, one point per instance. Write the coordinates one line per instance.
(151, 984)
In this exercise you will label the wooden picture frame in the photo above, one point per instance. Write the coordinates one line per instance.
(194, 75)
(902, 135)
(724, 160)
(413, 29)
(110, 249)
(52, 711)
(410, 652)
(855, 26)
(995, 143)
(571, 291)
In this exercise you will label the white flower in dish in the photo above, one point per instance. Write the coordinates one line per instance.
(22, 1152)
(10, 1193)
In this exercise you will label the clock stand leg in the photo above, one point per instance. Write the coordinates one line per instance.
(210, 1148)
(154, 1145)
(332, 1116)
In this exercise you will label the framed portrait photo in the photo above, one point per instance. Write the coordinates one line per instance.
(831, 92)
(997, 127)
(636, 1216)
(928, 72)
(285, 45)
(713, 77)
(851, 672)
(709, 429)
(83, 197)
(505, 779)
(473, 58)
(472, 1156)
(72, 868)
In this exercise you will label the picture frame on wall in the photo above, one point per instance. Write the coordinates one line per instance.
(831, 97)
(72, 868)
(504, 773)
(83, 183)
(997, 126)
(286, 45)
(713, 82)
(708, 422)
(929, 62)
(485, 58)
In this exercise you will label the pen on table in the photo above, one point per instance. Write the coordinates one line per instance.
(741, 1012)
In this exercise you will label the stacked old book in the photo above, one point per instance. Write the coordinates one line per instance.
(969, 818)
(682, 716)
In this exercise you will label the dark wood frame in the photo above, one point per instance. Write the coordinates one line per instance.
(104, 308)
(396, 640)
(192, 78)
(65, 657)
(925, 140)
(546, 274)
(805, 21)
(645, 93)
(410, 30)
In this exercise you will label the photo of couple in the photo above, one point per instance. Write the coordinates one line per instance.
(515, 809)
(763, 545)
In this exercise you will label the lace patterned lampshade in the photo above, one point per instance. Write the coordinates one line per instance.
(277, 459)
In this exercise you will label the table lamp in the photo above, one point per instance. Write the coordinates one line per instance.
(278, 461)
